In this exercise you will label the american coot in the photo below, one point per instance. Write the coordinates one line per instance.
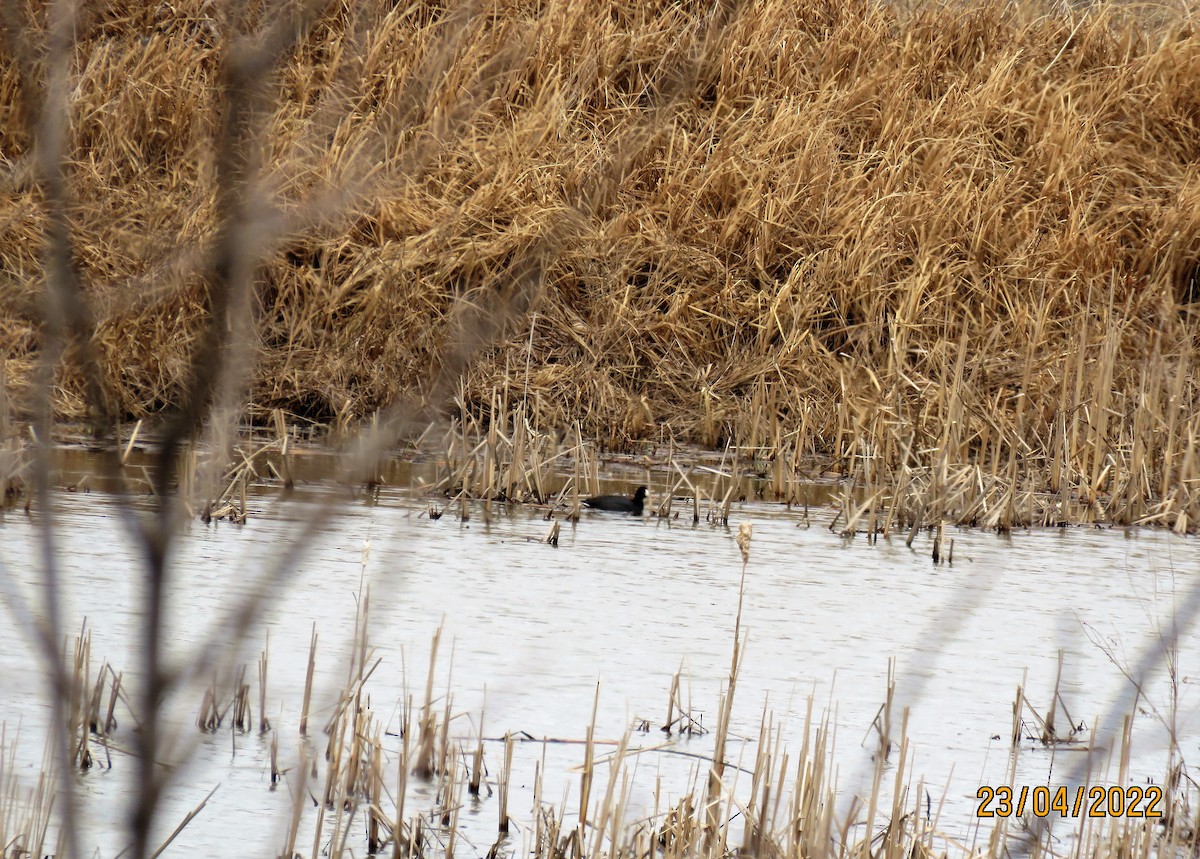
(619, 503)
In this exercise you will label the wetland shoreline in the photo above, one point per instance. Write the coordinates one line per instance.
(936, 263)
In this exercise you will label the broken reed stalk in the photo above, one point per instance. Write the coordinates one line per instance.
(669, 724)
(423, 766)
(609, 812)
(1048, 732)
(576, 502)
(445, 763)
(110, 719)
(242, 716)
(299, 789)
(398, 829)
(284, 439)
(264, 724)
(376, 821)
(334, 753)
(354, 772)
(209, 719)
(477, 760)
(308, 681)
(505, 781)
(714, 830)
(589, 753)
(358, 662)
(183, 824)
(79, 727)
(93, 717)
(883, 728)
(451, 821)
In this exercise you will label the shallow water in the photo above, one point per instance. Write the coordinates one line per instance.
(531, 631)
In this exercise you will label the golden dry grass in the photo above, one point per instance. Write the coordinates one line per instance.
(938, 238)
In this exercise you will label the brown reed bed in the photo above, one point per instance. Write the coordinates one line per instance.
(945, 253)
(937, 245)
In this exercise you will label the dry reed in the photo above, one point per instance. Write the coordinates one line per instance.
(947, 252)
(940, 246)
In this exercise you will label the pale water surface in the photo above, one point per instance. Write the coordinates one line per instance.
(530, 631)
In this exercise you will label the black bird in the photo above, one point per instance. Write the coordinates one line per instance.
(619, 503)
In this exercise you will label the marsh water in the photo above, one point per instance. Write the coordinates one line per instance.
(531, 634)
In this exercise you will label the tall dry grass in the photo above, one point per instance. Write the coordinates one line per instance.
(932, 244)
(935, 236)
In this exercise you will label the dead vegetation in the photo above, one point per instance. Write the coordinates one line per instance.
(949, 243)
(947, 251)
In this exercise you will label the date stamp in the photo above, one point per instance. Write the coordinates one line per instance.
(1095, 801)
